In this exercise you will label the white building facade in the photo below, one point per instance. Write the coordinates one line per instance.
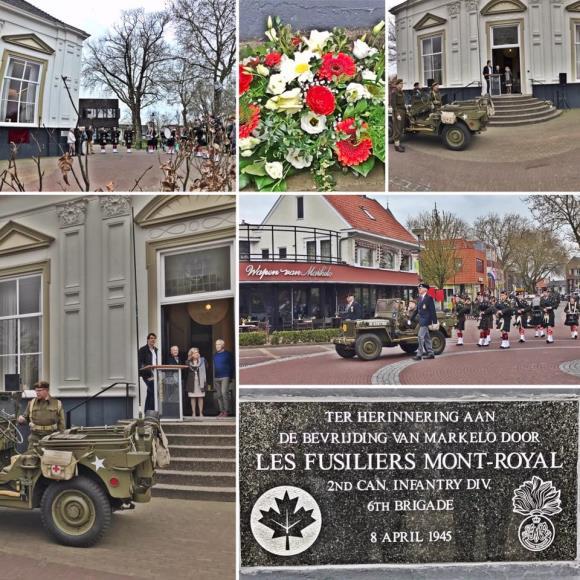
(75, 305)
(451, 41)
(36, 52)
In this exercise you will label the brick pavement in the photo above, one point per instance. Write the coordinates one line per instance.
(534, 362)
(122, 169)
(542, 157)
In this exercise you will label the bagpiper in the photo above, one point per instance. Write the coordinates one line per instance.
(461, 311)
(115, 134)
(548, 305)
(128, 136)
(103, 140)
(572, 316)
(537, 316)
(486, 310)
(504, 312)
(399, 113)
(522, 310)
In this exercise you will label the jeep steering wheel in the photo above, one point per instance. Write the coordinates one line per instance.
(9, 431)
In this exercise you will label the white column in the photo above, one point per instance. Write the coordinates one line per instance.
(540, 51)
(471, 44)
(560, 52)
(454, 74)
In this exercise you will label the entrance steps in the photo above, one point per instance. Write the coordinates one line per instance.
(203, 461)
(516, 110)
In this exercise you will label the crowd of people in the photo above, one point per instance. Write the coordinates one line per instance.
(196, 378)
(202, 134)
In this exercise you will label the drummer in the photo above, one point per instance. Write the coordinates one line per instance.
(572, 311)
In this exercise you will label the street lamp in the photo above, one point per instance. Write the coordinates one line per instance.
(419, 233)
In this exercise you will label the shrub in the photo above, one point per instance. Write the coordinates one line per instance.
(303, 336)
(253, 338)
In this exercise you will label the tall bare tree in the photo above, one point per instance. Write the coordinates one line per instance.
(179, 80)
(438, 231)
(501, 233)
(537, 253)
(392, 40)
(129, 60)
(558, 212)
(206, 30)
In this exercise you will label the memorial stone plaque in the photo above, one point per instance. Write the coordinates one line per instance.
(390, 482)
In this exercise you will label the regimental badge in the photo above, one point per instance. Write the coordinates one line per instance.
(286, 520)
(536, 499)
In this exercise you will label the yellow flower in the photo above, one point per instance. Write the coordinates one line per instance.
(289, 102)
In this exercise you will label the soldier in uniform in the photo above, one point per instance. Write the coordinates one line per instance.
(44, 415)
(504, 313)
(461, 311)
(115, 134)
(486, 310)
(399, 114)
(522, 309)
(128, 136)
(353, 309)
(548, 306)
(435, 97)
(417, 96)
(103, 140)
(572, 316)
(536, 315)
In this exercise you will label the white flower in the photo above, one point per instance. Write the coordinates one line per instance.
(276, 85)
(289, 102)
(313, 123)
(246, 153)
(262, 70)
(317, 40)
(271, 34)
(297, 67)
(275, 169)
(378, 27)
(355, 92)
(248, 143)
(361, 49)
(368, 75)
(298, 159)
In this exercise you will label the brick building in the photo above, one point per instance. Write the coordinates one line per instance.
(573, 275)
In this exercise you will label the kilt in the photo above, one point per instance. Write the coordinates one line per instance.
(536, 318)
(485, 323)
(461, 323)
(572, 319)
(548, 319)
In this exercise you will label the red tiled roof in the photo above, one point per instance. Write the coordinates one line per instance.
(351, 207)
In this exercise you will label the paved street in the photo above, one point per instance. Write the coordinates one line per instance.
(532, 363)
(163, 539)
(121, 169)
(542, 157)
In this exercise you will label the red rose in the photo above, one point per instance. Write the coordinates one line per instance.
(320, 100)
(245, 80)
(272, 59)
(336, 66)
(296, 41)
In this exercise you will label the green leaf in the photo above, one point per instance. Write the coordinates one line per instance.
(255, 169)
(349, 112)
(280, 186)
(360, 107)
(365, 168)
(264, 182)
(245, 180)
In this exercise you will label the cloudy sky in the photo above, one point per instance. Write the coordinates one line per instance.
(253, 208)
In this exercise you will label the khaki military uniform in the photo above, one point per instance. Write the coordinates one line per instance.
(44, 418)
(399, 115)
(436, 100)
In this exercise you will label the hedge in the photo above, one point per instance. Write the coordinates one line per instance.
(253, 338)
(303, 336)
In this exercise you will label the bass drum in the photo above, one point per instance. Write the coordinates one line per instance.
(572, 319)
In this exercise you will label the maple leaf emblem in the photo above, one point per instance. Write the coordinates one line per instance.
(287, 521)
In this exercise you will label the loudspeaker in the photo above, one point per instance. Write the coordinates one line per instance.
(430, 83)
(12, 382)
(563, 79)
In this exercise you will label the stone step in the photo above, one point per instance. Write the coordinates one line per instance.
(203, 451)
(505, 98)
(540, 105)
(201, 478)
(523, 115)
(515, 123)
(194, 492)
(196, 427)
(201, 439)
(209, 464)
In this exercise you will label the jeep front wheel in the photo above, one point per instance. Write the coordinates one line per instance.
(368, 347)
(76, 512)
(438, 341)
(456, 137)
(344, 351)
(409, 347)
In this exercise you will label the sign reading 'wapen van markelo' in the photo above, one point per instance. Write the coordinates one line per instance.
(325, 483)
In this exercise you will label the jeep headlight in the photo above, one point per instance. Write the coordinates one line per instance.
(344, 328)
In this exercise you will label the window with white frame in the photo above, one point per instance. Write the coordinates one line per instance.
(197, 271)
(388, 260)
(365, 257)
(577, 51)
(20, 91)
(21, 329)
(432, 58)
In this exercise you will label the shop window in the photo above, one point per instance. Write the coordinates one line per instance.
(20, 91)
(21, 329)
(198, 272)
(432, 58)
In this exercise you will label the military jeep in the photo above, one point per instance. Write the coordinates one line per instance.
(389, 328)
(80, 476)
(454, 123)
